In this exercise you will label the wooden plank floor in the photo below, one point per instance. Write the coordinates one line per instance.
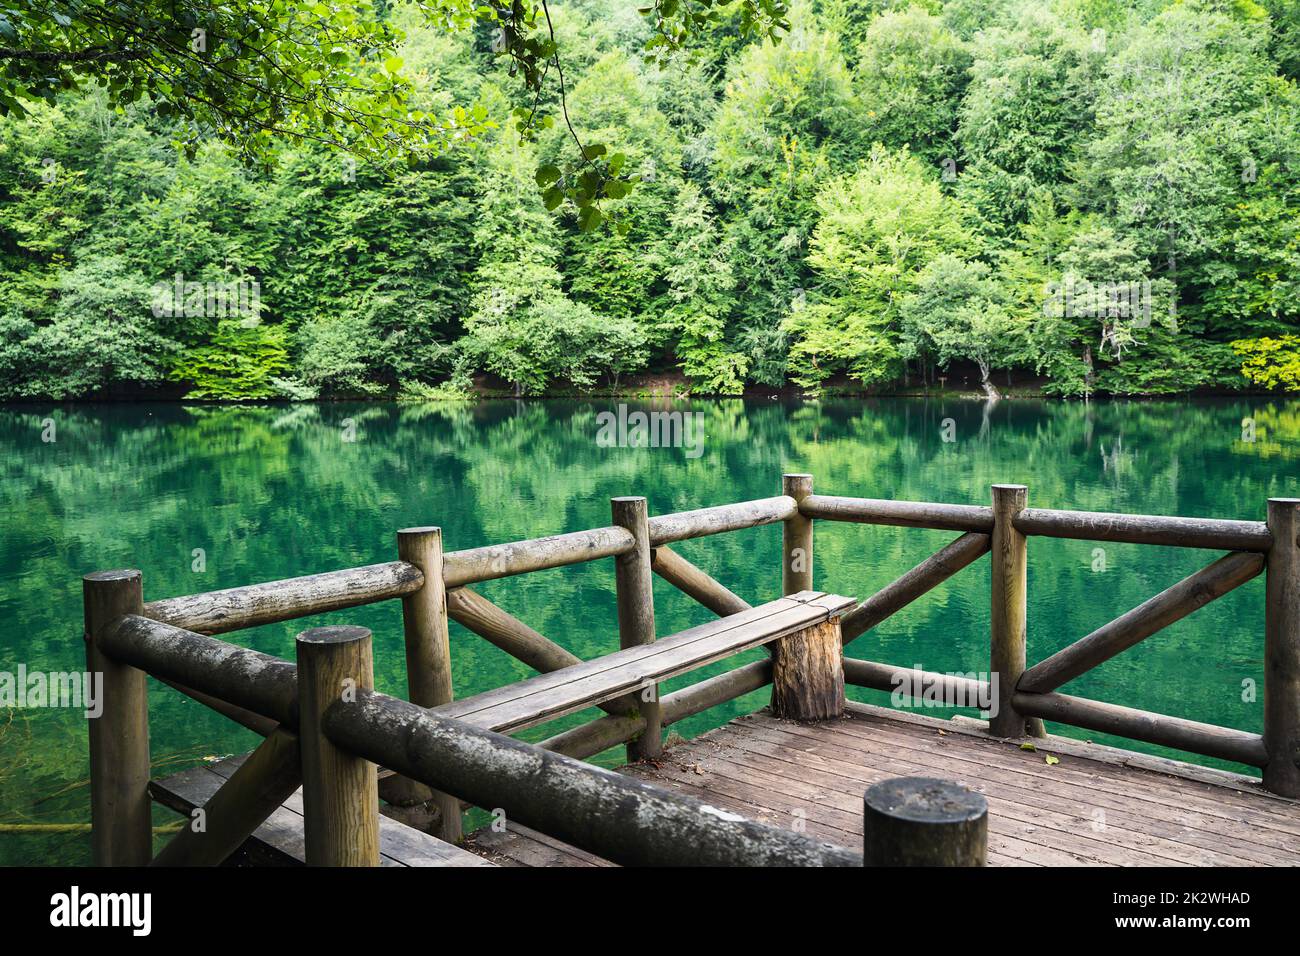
(1097, 806)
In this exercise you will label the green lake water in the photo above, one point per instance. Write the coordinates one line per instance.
(277, 491)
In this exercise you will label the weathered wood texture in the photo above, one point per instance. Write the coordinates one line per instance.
(428, 657)
(120, 832)
(1214, 533)
(257, 789)
(548, 696)
(808, 674)
(1173, 604)
(1282, 650)
(248, 679)
(665, 529)
(340, 788)
(1008, 611)
(924, 821)
(1176, 732)
(926, 576)
(1097, 807)
(797, 538)
(634, 589)
(689, 579)
(908, 514)
(218, 612)
(597, 810)
(537, 554)
(279, 840)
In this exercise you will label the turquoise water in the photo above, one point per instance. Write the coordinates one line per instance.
(276, 491)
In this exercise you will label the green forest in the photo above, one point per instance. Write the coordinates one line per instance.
(1100, 197)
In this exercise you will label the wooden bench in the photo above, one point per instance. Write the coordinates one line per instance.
(279, 841)
(548, 696)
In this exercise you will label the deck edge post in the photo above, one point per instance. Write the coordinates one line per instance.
(634, 584)
(797, 538)
(1008, 611)
(1282, 650)
(428, 661)
(922, 821)
(340, 791)
(121, 813)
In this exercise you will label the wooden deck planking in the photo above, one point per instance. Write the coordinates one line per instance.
(279, 840)
(1097, 807)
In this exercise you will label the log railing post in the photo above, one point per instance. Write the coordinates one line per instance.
(428, 657)
(1008, 612)
(634, 581)
(797, 539)
(1282, 650)
(340, 792)
(120, 810)
(920, 821)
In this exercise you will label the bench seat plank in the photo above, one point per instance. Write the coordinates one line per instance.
(570, 689)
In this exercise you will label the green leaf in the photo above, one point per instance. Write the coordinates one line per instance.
(589, 218)
(552, 198)
(593, 151)
(1052, 761)
(547, 174)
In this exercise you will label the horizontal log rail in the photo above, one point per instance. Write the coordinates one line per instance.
(609, 814)
(536, 554)
(1214, 533)
(891, 677)
(271, 602)
(233, 609)
(1173, 604)
(248, 679)
(907, 514)
(1176, 732)
(665, 529)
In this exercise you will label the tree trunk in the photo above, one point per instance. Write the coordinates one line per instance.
(987, 384)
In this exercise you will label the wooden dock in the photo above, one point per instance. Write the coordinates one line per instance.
(815, 780)
(1097, 806)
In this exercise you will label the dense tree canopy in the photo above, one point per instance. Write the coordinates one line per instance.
(372, 199)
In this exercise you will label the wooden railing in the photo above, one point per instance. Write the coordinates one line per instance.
(172, 640)
(1026, 695)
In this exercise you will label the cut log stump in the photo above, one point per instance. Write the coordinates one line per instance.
(808, 674)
